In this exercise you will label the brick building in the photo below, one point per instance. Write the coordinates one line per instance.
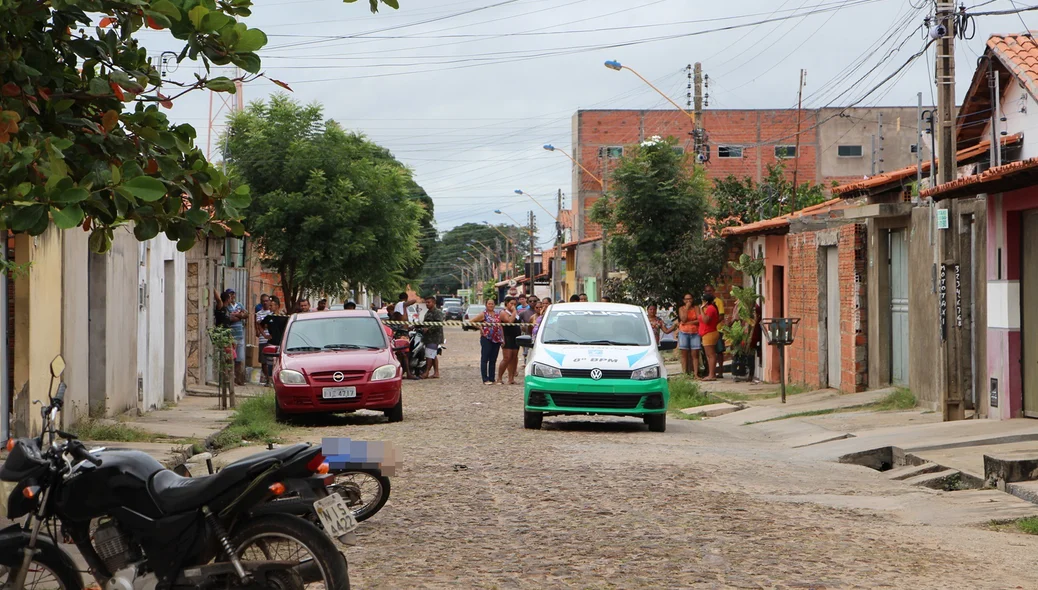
(835, 145)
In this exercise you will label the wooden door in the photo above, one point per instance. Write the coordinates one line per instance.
(832, 323)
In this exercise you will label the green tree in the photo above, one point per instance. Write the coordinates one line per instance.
(655, 214)
(739, 201)
(329, 207)
(440, 273)
(83, 138)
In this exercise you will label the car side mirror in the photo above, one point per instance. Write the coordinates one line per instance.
(401, 344)
(524, 341)
(271, 349)
(668, 344)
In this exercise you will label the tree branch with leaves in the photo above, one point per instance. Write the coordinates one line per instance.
(84, 140)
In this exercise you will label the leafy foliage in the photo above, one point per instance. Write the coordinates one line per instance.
(331, 207)
(738, 333)
(738, 201)
(83, 139)
(441, 273)
(654, 214)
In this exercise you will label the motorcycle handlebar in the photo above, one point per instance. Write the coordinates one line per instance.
(79, 452)
(59, 398)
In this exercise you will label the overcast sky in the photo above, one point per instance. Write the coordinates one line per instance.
(465, 92)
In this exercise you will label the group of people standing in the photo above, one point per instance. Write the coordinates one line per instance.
(697, 332)
(500, 332)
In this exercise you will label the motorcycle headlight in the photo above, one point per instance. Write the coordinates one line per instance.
(546, 371)
(383, 373)
(289, 377)
(646, 373)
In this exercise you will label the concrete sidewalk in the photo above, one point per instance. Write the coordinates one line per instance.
(191, 420)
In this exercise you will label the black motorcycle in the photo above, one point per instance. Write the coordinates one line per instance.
(139, 526)
(363, 486)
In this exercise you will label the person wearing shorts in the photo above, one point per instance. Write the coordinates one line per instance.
(510, 346)
(689, 342)
(719, 304)
(433, 337)
(708, 321)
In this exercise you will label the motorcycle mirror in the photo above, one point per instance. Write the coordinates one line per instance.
(57, 366)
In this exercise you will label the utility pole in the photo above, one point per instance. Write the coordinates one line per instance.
(996, 98)
(919, 142)
(796, 164)
(605, 237)
(530, 274)
(556, 272)
(879, 138)
(697, 133)
(954, 406)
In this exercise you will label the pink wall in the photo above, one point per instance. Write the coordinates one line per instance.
(774, 256)
(1003, 344)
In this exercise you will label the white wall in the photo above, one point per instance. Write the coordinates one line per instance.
(75, 310)
(157, 366)
(1021, 113)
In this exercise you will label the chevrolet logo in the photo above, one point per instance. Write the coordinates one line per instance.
(338, 377)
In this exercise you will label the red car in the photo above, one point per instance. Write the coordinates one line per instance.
(337, 361)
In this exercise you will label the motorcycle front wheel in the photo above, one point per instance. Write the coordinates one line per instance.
(49, 570)
(280, 537)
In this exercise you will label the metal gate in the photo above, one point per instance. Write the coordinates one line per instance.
(898, 308)
(1029, 318)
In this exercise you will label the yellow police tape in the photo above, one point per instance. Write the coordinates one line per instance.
(453, 323)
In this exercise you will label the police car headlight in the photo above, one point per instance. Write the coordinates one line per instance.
(383, 373)
(646, 373)
(546, 371)
(289, 377)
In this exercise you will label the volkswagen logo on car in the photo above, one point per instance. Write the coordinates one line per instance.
(596, 374)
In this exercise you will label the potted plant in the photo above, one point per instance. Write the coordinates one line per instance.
(738, 332)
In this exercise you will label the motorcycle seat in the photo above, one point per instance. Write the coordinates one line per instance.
(174, 494)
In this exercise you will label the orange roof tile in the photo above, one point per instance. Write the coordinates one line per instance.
(781, 223)
(1019, 52)
(977, 183)
(866, 186)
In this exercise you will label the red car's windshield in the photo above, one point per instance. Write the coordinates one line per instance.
(312, 335)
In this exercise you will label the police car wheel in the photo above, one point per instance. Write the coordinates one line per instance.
(532, 420)
(656, 422)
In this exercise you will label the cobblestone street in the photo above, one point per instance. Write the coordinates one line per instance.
(602, 503)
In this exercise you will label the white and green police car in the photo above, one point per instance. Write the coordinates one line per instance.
(596, 358)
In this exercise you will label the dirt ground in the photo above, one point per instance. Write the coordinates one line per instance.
(479, 502)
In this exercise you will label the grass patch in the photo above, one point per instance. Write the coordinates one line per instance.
(1028, 525)
(685, 393)
(253, 421)
(900, 399)
(95, 429)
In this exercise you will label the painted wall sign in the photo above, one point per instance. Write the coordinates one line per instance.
(942, 290)
(958, 297)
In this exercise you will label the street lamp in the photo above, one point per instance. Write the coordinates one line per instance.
(552, 148)
(780, 332)
(520, 192)
(615, 65)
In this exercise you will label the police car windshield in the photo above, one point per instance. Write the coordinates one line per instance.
(600, 328)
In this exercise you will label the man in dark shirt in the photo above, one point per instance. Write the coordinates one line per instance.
(433, 338)
(526, 317)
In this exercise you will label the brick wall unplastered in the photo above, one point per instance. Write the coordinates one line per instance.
(806, 287)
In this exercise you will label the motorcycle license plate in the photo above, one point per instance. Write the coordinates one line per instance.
(339, 392)
(335, 515)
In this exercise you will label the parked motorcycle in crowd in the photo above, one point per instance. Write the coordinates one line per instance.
(139, 526)
(416, 349)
